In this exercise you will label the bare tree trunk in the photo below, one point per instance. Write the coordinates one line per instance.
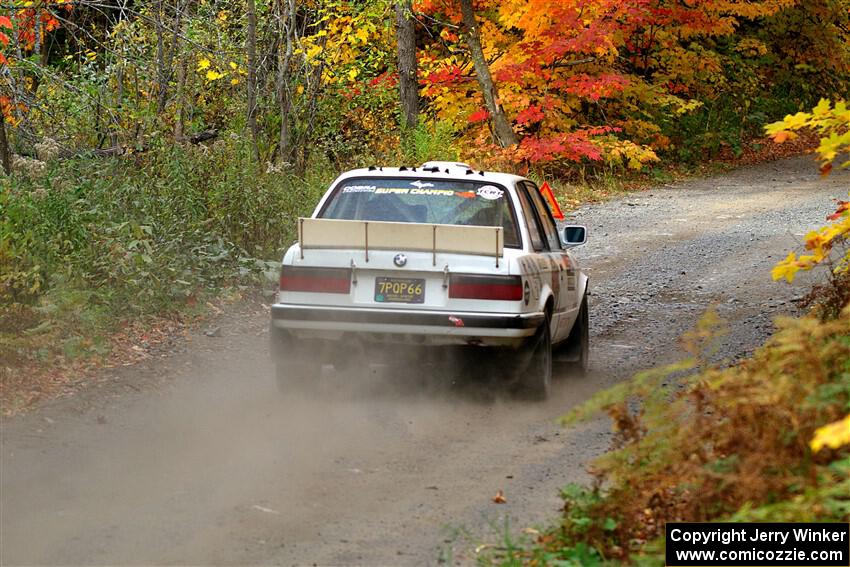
(502, 130)
(168, 61)
(312, 90)
(160, 60)
(119, 103)
(36, 49)
(286, 14)
(5, 154)
(407, 84)
(251, 49)
(182, 65)
(181, 95)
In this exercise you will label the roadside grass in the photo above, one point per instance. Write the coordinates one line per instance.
(90, 247)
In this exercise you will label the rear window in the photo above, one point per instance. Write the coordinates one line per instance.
(424, 201)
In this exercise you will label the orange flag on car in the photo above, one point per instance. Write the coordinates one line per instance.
(553, 204)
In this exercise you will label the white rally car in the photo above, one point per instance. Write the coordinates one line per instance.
(435, 256)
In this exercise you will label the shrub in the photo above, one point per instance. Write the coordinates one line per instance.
(91, 242)
(725, 444)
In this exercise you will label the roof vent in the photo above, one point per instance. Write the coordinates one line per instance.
(445, 164)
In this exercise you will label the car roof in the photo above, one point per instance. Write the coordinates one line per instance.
(436, 171)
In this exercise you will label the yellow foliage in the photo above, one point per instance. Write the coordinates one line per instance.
(833, 435)
(751, 47)
(626, 152)
(727, 437)
(820, 242)
(833, 123)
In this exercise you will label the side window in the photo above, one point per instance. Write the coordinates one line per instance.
(550, 229)
(535, 231)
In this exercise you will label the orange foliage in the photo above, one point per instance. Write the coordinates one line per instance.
(573, 75)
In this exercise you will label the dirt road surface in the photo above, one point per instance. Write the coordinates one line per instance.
(193, 457)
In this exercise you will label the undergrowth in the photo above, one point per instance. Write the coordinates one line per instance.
(721, 444)
(91, 243)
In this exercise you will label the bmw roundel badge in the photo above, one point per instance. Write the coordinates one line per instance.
(400, 260)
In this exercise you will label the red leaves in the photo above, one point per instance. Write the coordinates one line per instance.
(594, 87)
(387, 79)
(5, 22)
(26, 25)
(50, 23)
(530, 115)
(479, 115)
(842, 207)
(573, 146)
(446, 76)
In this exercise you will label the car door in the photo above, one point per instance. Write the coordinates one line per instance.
(540, 266)
(562, 274)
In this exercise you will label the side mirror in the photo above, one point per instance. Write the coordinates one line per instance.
(574, 235)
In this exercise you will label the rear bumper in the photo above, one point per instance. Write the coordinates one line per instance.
(442, 326)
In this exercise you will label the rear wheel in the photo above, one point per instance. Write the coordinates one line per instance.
(576, 349)
(536, 380)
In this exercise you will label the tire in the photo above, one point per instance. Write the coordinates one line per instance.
(536, 379)
(576, 349)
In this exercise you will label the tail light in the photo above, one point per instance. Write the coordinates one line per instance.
(318, 280)
(503, 288)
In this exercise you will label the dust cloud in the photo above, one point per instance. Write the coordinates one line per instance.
(219, 466)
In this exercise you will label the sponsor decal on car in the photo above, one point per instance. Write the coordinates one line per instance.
(490, 192)
(359, 189)
(409, 191)
(420, 184)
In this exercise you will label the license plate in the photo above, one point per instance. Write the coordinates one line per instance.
(399, 290)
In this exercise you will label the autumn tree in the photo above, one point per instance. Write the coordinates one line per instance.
(600, 81)
(502, 130)
(522, 83)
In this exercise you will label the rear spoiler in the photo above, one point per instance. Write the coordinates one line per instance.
(379, 235)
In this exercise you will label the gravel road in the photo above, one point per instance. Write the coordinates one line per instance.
(193, 458)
